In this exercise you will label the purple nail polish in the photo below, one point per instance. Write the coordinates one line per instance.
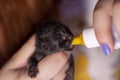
(106, 49)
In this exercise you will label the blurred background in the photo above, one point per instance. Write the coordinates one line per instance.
(18, 20)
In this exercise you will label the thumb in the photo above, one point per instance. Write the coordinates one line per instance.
(20, 58)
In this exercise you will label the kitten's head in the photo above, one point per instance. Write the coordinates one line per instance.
(55, 36)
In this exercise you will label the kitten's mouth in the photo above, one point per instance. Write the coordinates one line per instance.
(70, 47)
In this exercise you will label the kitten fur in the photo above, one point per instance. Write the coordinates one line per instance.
(51, 37)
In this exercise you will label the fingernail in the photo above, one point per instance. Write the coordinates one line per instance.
(106, 49)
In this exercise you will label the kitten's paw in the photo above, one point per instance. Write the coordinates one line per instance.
(33, 71)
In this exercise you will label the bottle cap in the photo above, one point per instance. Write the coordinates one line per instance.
(89, 38)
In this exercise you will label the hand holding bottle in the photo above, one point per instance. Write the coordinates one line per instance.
(106, 12)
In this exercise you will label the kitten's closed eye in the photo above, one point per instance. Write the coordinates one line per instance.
(60, 37)
(69, 38)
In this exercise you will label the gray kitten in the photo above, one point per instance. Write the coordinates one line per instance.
(51, 37)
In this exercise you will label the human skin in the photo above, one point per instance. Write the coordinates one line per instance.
(106, 12)
(14, 68)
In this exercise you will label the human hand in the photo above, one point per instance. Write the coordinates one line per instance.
(51, 67)
(106, 12)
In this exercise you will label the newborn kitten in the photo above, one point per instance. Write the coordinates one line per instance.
(51, 37)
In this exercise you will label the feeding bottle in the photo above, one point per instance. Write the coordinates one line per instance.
(88, 39)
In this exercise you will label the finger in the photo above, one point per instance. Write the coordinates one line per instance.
(116, 15)
(102, 25)
(21, 57)
(62, 74)
(52, 65)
